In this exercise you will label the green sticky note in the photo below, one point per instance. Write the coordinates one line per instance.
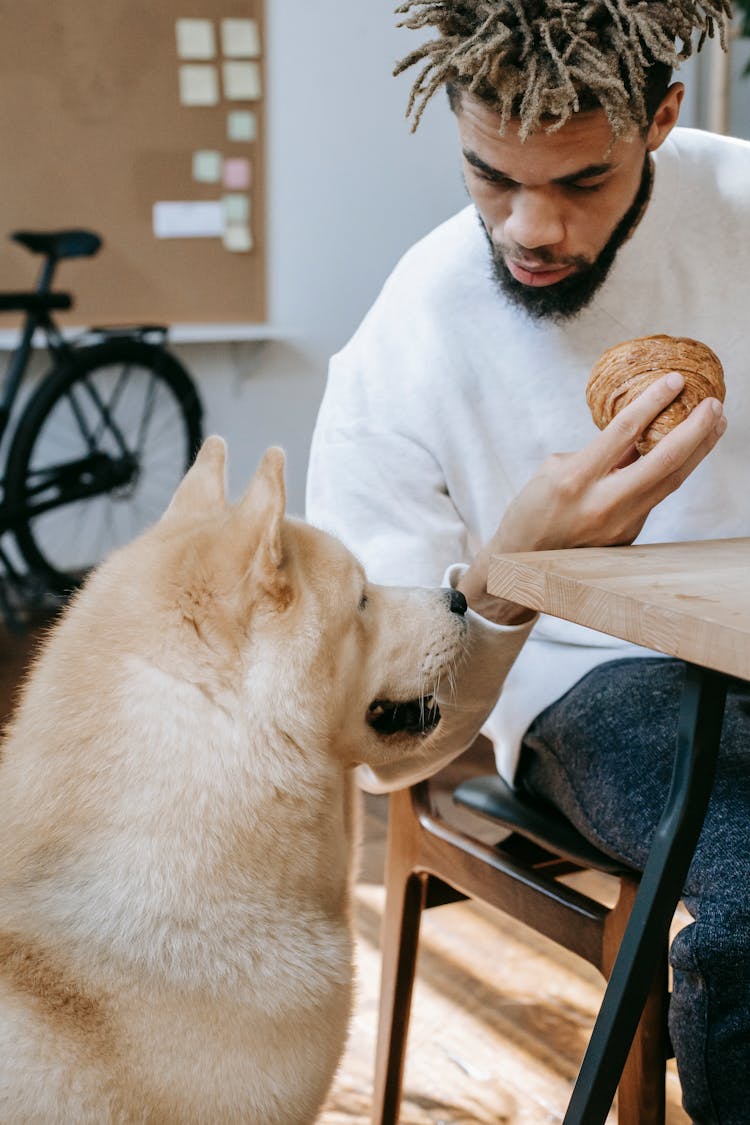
(242, 125)
(207, 166)
(236, 208)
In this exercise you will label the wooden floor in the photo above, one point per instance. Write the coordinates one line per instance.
(501, 1016)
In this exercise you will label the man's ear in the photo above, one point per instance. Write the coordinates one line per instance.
(666, 117)
(202, 489)
(260, 514)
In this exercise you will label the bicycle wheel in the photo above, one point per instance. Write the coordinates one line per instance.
(97, 454)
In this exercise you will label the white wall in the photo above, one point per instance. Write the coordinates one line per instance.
(349, 189)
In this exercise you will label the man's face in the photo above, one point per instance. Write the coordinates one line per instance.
(557, 207)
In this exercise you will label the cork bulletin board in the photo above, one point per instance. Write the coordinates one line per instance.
(142, 121)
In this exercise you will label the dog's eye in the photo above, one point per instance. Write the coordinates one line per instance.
(363, 602)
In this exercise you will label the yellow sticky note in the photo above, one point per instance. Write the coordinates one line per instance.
(240, 39)
(241, 81)
(199, 85)
(195, 39)
(238, 238)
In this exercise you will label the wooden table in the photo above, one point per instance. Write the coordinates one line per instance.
(688, 600)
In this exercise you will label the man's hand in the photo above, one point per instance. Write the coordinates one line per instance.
(600, 496)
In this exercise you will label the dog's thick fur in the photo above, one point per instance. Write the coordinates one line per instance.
(176, 815)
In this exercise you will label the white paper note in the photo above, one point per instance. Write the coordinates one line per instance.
(189, 219)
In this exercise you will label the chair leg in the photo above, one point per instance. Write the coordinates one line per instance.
(641, 1094)
(400, 946)
(405, 898)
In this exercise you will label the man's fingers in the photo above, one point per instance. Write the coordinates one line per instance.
(630, 458)
(608, 449)
(673, 459)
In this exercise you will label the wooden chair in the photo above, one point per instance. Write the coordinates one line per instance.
(431, 862)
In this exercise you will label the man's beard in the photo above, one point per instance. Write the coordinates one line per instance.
(565, 299)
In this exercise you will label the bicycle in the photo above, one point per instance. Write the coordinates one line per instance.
(100, 444)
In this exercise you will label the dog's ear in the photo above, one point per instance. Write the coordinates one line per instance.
(203, 488)
(260, 517)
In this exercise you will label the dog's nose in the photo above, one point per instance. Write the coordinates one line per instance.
(457, 602)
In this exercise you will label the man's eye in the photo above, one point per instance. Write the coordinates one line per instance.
(363, 602)
(494, 181)
(501, 185)
(587, 188)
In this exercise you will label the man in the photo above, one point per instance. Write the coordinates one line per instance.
(593, 220)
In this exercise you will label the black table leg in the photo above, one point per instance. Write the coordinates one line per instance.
(701, 716)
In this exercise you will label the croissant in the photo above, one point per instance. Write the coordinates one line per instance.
(624, 371)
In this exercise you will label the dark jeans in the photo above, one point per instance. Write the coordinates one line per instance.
(603, 754)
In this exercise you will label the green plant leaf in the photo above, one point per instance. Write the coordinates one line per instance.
(743, 7)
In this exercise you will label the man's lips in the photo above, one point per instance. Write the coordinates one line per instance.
(538, 275)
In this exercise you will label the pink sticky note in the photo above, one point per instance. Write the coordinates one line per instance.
(237, 173)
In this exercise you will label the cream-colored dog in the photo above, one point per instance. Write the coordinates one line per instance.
(176, 816)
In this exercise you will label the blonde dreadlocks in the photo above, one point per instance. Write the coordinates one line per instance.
(543, 60)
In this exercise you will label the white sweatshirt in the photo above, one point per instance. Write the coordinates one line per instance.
(448, 398)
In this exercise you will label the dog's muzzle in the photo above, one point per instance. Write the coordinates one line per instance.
(418, 716)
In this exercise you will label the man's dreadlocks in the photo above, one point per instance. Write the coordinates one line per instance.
(543, 60)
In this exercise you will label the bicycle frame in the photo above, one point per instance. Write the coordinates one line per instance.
(36, 319)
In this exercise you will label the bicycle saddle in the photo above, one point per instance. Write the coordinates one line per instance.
(34, 302)
(59, 243)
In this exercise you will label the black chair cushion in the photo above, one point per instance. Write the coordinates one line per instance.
(493, 798)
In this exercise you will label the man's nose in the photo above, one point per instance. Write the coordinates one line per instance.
(535, 221)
